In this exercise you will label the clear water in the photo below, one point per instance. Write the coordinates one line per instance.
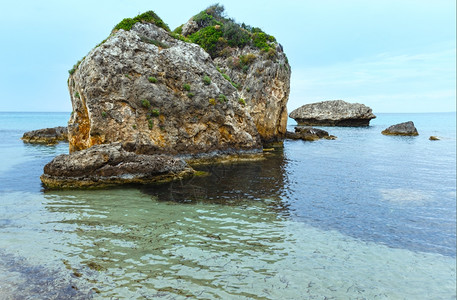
(365, 216)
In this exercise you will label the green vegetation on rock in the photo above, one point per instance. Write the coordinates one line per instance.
(206, 80)
(154, 42)
(145, 103)
(147, 17)
(209, 38)
(222, 98)
(217, 33)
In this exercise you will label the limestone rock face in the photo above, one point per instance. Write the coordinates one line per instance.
(264, 83)
(309, 134)
(190, 27)
(333, 113)
(110, 164)
(406, 128)
(147, 88)
(48, 136)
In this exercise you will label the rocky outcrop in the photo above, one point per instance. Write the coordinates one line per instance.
(164, 95)
(47, 136)
(148, 88)
(406, 129)
(145, 92)
(253, 61)
(333, 113)
(309, 134)
(264, 84)
(105, 165)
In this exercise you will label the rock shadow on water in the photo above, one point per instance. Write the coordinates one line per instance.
(231, 183)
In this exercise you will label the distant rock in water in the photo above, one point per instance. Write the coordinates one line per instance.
(406, 128)
(164, 93)
(434, 138)
(47, 136)
(333, 113)
(105, 165)
(309, 134)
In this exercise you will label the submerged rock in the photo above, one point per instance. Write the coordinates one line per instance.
(110, 164)
(406, 129)
(47, 136)
(333, 113)
(309, 134)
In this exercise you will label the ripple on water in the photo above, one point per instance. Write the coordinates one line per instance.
(125, 244)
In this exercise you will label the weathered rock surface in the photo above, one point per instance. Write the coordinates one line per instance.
(264, 85)
(309, 134)
(146, 87)
(333, 113)
(110, 164)
(260, 70)
(48, 136)
(406, 128)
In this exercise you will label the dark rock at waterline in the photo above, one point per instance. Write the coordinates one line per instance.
(434, 138)
(405, 128)
(333, 113)
(110, 164)
(46, 136)
(309, 134)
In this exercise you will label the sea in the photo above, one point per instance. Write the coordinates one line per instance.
(365, 216)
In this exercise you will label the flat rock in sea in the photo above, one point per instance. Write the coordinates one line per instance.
(309, 134)
(434, 138)
(110, 164)
(405, 128)
(333, 113)
(48, 136)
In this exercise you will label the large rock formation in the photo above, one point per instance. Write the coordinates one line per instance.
(47, 136)
(333, 113)
(147, 87)
(130, 89)
(217, 89)
(405, 128)
(104, 165)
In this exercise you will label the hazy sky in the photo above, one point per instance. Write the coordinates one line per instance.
(392, 55)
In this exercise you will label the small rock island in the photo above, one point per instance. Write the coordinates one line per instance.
(333, 113)
(405, 129)
(48, 136)
(211, 87)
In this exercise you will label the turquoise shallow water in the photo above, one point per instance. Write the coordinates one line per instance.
(363, 217)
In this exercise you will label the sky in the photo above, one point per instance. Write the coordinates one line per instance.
(395, 56)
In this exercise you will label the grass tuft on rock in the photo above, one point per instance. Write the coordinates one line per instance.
(147, 17)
